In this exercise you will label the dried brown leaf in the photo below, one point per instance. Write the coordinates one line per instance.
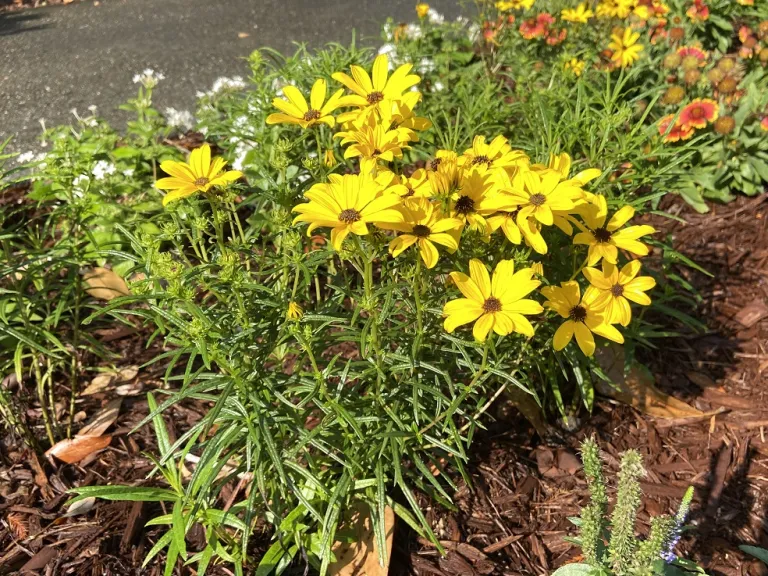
(105, 284)
(75, 449)
(361, 556)
(103, 419)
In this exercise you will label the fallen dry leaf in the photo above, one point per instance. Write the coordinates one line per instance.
(360, 557)
(104, 284)
(74, 449)
(80, 507)
(637, 388)
(243, 34)
(103, 419)
(104, 380)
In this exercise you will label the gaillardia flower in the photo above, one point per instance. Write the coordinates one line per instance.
(699, 113)
(200, 175)
(677, 132)
(296, 111)
(496, 304)
(347, 204)
(583, 317)
(604, 240)
(615, 288)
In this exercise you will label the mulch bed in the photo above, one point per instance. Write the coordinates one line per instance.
(10, 5)
(514, 519)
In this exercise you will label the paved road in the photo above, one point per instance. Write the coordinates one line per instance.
(62, 57)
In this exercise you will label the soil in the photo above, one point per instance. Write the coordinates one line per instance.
(513, 519)
(9, 5)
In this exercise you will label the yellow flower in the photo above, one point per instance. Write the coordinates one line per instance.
(424, 226)
(538, 268)
(603, 239)
(373, 143)
(397, 116)
(576, 66)
(625, 48)
(497, 304)
(503, 6)
(615, 8)
(200, 175)
(583, 317)
(329, 159)
(371, 91)
(506, 221)
(414, 186)
(562, 163)
(477, 198)
(615, 288)
(421, 9)
(580, 14)
(347, 204)
(294, 312)
(495, 155)
(296, 111)
(538, 193)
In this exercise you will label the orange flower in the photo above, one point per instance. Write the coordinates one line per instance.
(694, 52)
(764, 124)
(698, 113)
(678, 131)
(698, 12)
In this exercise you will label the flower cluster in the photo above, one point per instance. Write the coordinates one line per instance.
(468, 196)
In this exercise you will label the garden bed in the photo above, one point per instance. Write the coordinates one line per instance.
(515, 518)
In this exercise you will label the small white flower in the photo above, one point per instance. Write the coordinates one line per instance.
(435, 17)
(241, 151)
(438, 86)
(302, 177)
(25, 157)
(387, 29)
(148, 78)
(128, 172)
(92, 108)
(425, 65)
(179, 118)
(81, 181)
(473, 32)
(462, 20)
(413, 31)
(226, 84)
(102, 168)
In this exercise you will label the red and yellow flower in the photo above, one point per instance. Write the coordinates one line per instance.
(698, 12)
(699, 113)
(677, 132)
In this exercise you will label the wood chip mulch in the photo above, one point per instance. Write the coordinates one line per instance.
(514, 518)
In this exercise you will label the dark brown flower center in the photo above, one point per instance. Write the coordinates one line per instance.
(421, 231)
(349, 216)
(481, 160)
(578, 313)
(202, 181)
(538, 199)
(376, 152)
(617, 290)
(492, 305)
(697, 113)
(434, 163)
(464, 205)
(601, 235)
(375, 97)
(311, 114)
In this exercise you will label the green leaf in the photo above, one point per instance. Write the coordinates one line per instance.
(123, 493)
(573, 570)
(759, 553)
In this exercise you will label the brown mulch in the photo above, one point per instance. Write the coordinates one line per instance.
(514, 519)
(9, 5)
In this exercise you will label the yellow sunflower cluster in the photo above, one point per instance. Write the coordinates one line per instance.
(475, 193)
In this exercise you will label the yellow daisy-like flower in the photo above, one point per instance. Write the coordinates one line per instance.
(414, 186)
(576, 66)
(506, 220)
(494, 155)
(505, 5)
(625, 48)
(329, 160)
(373, 143)
(200, 175)
(370, 91)
(347, 204)
(477, 198)
(422, 9)
(424, 226)
(580, 14)
(296, 111)
(539, 193)
(583, 317)
(604, 240)
(496, 304)
(615, 288)
(562, 163)
(294, 312)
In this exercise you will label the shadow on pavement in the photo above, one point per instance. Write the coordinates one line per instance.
(17, 22)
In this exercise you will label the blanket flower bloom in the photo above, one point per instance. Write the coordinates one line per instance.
(625, 48)
(615, 288)
(678, 131)
(348, 204)
(296, 111)
(496, 304)
(583, 317)
(199, 175)
(604, 240)
(699, 113)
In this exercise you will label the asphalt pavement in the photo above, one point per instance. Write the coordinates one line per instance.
(55, 59)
